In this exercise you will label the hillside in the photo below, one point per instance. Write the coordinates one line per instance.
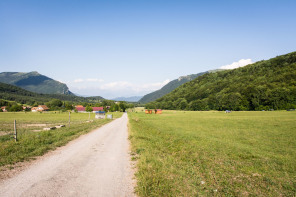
(34, 82)
(168, 88)
(128, 99)
(268, 84)
(14, 93)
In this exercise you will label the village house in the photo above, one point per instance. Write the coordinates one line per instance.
(82, 109)
(97, 109)
(4, 108)
(40, 108)
(34, 109)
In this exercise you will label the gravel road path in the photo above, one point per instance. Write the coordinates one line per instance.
(96, 164)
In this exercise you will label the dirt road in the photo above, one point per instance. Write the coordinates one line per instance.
(96, 164)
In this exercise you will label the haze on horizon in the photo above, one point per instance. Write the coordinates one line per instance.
(131, 48)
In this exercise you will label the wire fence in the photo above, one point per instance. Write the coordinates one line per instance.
(15, 127)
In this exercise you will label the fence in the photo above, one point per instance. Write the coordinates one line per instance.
(14, 126)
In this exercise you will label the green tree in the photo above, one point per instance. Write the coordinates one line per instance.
(69, 106)
(88, 108)
(15, 108)
(56, 103)
(122, 106)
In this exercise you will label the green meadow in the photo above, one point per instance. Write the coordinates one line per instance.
(182, 153)
(33, 141)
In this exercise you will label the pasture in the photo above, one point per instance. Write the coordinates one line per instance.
(33, 140)
(182, 153)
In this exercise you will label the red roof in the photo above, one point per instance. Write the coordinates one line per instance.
(44, 107)
(80, 108)
(98, 108)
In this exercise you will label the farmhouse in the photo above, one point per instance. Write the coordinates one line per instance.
(4, 108)
(40, 108)
(80, 109)
(95, 109)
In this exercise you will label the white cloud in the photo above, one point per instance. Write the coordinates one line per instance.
(95, 80)
(78, 80)
(121, 85)
(88, 80)
(116, 88)
(240, 63)
(116, 85)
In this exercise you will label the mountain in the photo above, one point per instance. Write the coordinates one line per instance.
(264, 85)
(17, 94)
(169, 87)
(128, 99)
(34, 82)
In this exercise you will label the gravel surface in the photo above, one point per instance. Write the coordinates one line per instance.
(96, 164)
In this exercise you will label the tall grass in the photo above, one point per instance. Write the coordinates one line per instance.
(31, 144)
(215, 154)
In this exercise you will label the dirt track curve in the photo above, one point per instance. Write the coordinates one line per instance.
(96, 164)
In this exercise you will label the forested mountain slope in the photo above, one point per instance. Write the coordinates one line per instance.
(168, 88)
(34, 82)
(14, 93)
(268, 84)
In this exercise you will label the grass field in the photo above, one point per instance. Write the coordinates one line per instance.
(33, 141)
(214, 154)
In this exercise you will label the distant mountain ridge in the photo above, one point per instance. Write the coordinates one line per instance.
(17, 94)
(35, 82)
(128, 99)
(169, 87)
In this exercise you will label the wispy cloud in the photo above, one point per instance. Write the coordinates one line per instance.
(78, 80)
(120, 85)
(116, 88)
(88, 80)
(240, 63)
(94, 80)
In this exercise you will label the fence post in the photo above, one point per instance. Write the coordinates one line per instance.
(89, 117)
(69, 118)
(15, 131)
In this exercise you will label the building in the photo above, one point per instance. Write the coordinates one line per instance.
(4, 108)
(97, 109)
(158, 111)
(40, 108)
(80, 109)
(83, 109)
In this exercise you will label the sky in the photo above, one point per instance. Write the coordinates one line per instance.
(117, 48)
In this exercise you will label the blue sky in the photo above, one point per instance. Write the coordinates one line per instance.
(127, 48)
